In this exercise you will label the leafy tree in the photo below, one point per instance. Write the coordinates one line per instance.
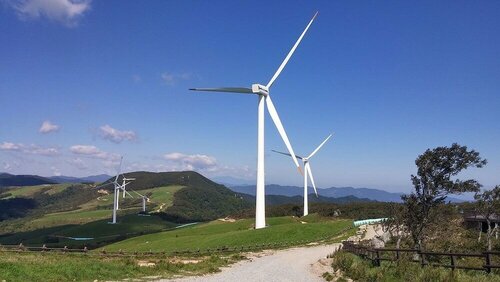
(488, 206)
(434, 182)
(395, 222)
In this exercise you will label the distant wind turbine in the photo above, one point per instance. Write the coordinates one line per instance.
(308, 172)
(263, 92)
(118, 187)
(144, 200)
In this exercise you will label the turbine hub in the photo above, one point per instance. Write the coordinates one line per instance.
(260, 89)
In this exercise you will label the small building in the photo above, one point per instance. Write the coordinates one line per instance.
(474, 221)
(369, 221)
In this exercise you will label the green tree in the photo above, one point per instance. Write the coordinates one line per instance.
(488, 206)
(434, 182)
(395, 223)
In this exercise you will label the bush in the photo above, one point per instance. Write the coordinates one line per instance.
(359, 269)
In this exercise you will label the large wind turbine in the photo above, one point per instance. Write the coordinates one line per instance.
(308, 172)
(263, 92)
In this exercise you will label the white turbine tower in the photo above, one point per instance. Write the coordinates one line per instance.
(308, 172)
(263, 92)
(144, 200)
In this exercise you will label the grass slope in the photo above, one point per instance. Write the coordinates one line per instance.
(30, 191)
(77, 267)
(240, 233)
(102, 232)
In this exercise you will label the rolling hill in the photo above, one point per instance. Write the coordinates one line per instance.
(7, 180)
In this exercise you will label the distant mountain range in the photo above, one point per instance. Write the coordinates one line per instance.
(334, 192)
(7, 179)
(299, 200)
(87, 179)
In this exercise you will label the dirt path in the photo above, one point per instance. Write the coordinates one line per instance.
(297, 264)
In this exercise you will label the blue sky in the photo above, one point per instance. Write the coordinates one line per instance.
(82, 82)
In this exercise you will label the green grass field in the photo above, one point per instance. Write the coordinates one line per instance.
(70, 217)
(78, 267)
(29, 191)
(162, 195)
(102, 232)
(231, 234)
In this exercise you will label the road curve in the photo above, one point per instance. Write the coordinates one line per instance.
(284, 265)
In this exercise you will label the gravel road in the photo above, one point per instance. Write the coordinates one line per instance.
(284, 265)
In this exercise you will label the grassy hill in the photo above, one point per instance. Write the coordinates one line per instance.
(239, 233)
(145, 179)
(45, 211)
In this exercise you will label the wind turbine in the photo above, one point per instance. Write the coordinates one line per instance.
(125, 183)
(144, 199)
(116, 194)
(263, 93)
(308, 172)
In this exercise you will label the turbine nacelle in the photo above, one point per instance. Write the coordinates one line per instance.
(260, 89)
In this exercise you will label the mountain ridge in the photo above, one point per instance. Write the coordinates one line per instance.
(332, 192)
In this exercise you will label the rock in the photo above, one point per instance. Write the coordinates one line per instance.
(377, 243)
(145, 263)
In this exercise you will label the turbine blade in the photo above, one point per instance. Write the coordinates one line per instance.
(319, 147)
(309, 172)
(137, 193)
(287, 154)
(126, 192)
(119, 169)
(281, 130)
(224, 89)
(283, 64)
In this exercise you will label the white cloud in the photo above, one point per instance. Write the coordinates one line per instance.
(6, 166)
(29, 149)
(171, 78)
(85, 150)
(48, 127)
(7, 146)
(67, 12)
(55, 171)
(109, 160)
(78, 163)
(116, 136)
(192, 162)
(33, 149)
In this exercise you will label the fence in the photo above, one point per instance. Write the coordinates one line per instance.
(425, 258)
(187, 252)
